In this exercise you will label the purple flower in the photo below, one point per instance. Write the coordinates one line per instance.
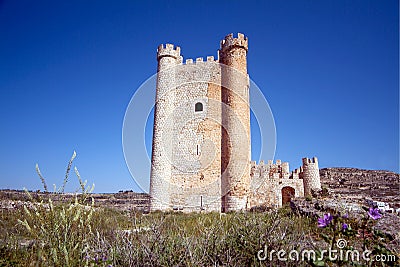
(345, 226)
(345, 216)
(324, 221)
(374, 213)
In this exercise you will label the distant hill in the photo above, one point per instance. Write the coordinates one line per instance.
(123, 200)
(357, 183)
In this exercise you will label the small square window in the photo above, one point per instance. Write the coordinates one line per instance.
(198, 107)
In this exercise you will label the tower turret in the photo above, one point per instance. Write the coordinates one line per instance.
(233, 52)
(168, 57)
(311, 178)
(235, 158)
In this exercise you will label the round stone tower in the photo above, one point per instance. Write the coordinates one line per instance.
(168, 57)
(311, 178)
(235, 152)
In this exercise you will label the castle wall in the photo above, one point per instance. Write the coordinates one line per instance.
(267, 182)
(196, 172)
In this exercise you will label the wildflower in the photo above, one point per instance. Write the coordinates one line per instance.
(325, 221)
(345, 216)
(345, 226)
(374, 213)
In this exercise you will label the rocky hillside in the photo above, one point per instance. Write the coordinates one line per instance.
(357, 183)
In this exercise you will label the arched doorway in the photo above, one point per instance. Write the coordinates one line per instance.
(287, 194)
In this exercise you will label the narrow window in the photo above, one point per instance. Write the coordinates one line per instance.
(198, 107)
(197, 151)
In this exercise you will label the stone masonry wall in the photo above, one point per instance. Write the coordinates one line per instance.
(268, 181)
(196, 154)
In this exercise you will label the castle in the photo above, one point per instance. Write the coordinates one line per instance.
(201, 151)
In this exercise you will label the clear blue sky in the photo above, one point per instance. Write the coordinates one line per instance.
(329, 70)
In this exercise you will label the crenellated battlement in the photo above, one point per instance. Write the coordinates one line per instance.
(230, 42)
(307, 161)
(270, 169)
(269, 163)
(199, 60)
(168, 50)
(297, 171)
(277, 169)
(278, 162)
